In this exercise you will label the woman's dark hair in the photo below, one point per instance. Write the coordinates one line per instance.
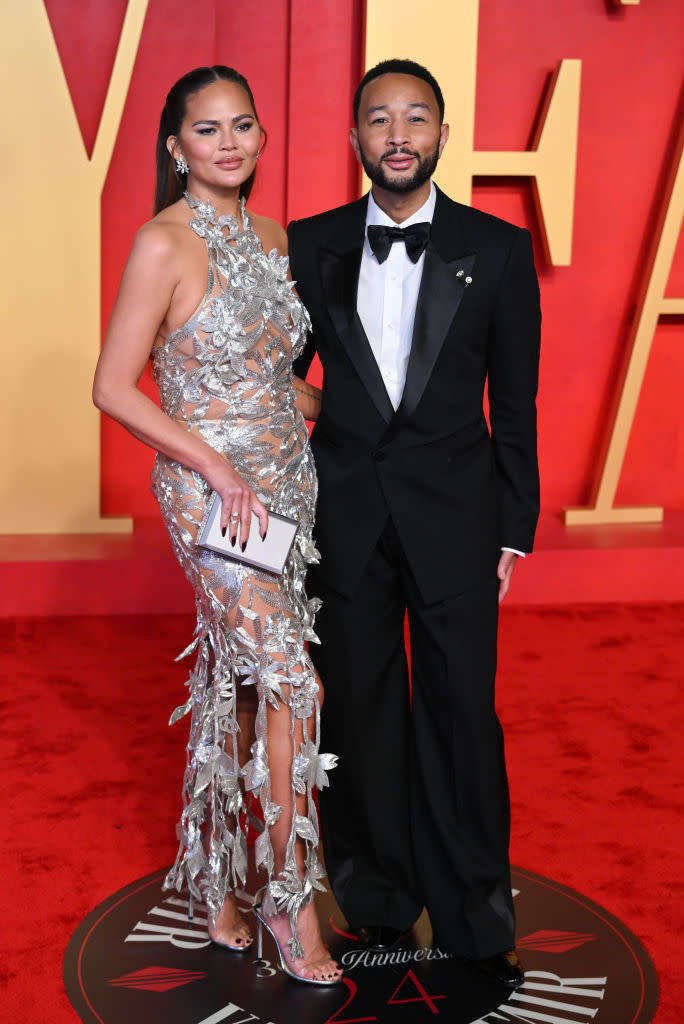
(399, 67)
(170, 183)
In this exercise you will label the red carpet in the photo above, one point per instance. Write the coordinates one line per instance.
(590, 700)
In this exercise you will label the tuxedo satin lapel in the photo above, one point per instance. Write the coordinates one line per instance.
(442, 287)
(340, 280)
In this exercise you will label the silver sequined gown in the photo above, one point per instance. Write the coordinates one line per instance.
(227, 376)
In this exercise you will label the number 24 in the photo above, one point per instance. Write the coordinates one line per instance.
(422, 997)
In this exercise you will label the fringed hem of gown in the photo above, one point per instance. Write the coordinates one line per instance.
(212, 793)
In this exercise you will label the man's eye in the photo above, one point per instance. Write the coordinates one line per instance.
(379, 120)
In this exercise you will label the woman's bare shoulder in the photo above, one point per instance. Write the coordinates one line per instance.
(166, 231)
(163, 240)
(271, 233)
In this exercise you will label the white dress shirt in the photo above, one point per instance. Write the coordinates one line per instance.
(387, 297)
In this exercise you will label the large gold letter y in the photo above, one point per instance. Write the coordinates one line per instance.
(50, 270)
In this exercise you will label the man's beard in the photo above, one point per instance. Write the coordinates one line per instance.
(422, 173)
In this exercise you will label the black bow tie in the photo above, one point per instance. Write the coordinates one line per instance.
(415, 236)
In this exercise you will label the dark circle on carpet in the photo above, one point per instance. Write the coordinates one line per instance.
(137, 959)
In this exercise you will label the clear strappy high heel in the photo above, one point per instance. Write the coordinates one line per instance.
(287, 967)
(217, 942)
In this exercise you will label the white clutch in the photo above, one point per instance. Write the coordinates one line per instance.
(269, 554)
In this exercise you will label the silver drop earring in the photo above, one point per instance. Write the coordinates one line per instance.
(181, 166)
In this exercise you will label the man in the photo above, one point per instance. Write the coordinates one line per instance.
(420, 510)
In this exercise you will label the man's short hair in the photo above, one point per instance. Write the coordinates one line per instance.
(399, 67)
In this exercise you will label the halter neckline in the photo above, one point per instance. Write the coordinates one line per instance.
(207, 213)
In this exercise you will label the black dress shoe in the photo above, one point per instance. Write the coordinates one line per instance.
(503, 967)
(380, 937)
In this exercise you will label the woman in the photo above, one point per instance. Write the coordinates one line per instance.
(205, 294)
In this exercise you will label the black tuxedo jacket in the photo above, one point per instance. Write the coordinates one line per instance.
(455, 493)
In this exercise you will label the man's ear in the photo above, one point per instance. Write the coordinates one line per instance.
(443, 136)
(354, 139)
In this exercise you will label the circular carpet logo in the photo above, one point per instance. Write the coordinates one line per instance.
(139, 959)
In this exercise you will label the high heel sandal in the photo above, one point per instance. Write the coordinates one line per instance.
(217, 942)
(287, 968)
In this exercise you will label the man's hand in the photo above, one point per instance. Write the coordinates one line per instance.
(505, 571)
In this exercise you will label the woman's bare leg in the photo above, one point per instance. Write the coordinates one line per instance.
(317, 962)
(229, 927)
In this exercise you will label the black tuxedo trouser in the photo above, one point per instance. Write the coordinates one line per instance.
(417, 812)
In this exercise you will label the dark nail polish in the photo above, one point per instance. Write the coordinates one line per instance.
(243, 545)
(232, 541)
(223, 530)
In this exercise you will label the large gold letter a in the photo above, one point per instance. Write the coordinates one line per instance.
(652, 305)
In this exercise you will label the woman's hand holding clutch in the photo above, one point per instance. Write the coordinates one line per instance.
(238, 501)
